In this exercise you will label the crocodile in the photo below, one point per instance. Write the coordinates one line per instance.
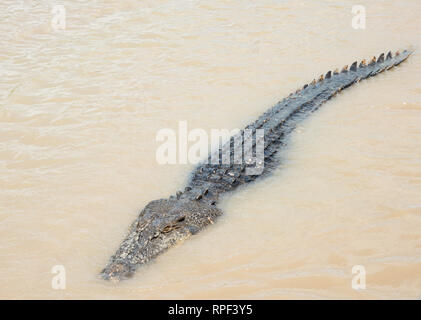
(165, 222)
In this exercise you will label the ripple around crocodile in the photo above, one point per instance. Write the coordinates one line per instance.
(164, 222)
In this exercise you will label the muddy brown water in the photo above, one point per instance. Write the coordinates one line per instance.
(80, 108)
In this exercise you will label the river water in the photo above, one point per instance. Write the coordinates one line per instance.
(80, 108)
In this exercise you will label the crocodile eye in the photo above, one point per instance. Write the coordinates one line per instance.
(181, 219)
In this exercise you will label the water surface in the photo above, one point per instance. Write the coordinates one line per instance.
(80, 108)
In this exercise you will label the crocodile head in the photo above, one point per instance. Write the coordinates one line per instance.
(160, 225)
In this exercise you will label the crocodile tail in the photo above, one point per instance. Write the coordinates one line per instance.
(336, 81)
(347, 76)
(208, 181)
(382, 63)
